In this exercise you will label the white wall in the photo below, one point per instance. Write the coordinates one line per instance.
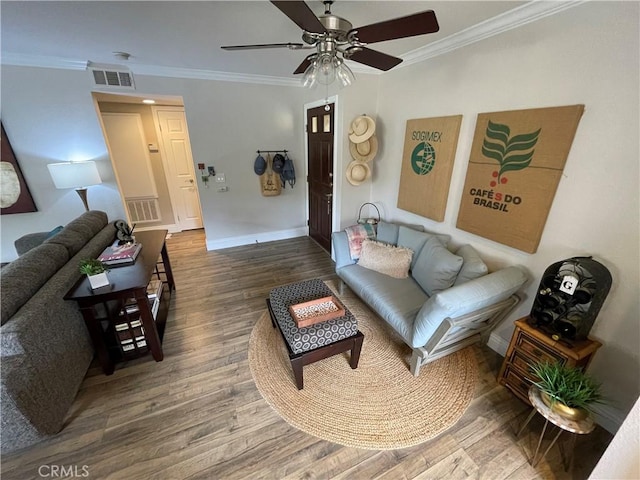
(621, 459)
(228, 122)
(585, 55)
(49, 117)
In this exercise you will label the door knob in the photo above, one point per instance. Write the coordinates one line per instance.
(191, 180)
(329, 195)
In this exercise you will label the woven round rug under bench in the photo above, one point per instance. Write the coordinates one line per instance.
(380, 405)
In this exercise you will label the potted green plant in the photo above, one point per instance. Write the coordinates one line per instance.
(568, 391)
(96, 272)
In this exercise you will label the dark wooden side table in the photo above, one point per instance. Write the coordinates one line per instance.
(103, 306)
(530, 345)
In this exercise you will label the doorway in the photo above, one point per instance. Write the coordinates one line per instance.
(320, 160)
(158, 184)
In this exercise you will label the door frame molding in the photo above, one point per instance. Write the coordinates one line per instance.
(337, 160)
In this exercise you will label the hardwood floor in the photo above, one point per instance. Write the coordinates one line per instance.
(198, 414)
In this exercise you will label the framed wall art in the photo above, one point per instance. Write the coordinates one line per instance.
(14, 192)
(427, 162)
(516, 161)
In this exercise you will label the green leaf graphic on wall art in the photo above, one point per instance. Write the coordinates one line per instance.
(423, 158)
(508, 152)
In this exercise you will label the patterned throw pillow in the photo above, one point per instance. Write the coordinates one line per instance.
(386, 259)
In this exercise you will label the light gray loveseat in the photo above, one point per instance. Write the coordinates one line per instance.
(45, 348)
(447, 301)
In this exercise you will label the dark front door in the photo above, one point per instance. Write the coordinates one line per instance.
(320, 142)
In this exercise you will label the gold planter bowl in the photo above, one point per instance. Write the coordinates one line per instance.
(575, 414)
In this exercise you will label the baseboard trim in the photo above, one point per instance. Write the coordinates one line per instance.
(498, 344)
(256, 238)
(608, 417)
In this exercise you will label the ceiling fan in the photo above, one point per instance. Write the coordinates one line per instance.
(335, 39)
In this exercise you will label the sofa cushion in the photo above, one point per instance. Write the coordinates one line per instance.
(415, 240)
(472, 265)
(23, 277)
(79, 231)
(387, 259)
(92, 222)
(436, 268)
(409, 238)
(388, 232)
(397, 300)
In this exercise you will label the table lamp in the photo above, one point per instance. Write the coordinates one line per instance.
(78, 175)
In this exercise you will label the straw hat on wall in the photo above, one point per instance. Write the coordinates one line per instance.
(362, 129)
(365, 151)
(358, 172)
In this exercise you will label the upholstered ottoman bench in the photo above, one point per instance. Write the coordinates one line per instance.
(315, 342)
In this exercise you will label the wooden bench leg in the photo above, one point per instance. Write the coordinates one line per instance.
(296, 365)
(355, 351)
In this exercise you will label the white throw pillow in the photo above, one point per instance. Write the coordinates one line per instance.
(387, 259)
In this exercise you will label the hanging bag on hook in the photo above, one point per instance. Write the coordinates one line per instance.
(269, 181)
(288, 172)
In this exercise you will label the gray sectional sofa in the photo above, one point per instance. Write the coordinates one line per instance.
(447, 301)
(45, 348)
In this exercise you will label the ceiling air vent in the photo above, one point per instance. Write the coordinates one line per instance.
(112, 78)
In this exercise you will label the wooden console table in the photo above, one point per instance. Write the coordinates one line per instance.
(104, 307)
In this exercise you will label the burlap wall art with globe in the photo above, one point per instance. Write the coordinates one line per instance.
(516, 162)
(427, 162)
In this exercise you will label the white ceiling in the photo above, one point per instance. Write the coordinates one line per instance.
(188, 35)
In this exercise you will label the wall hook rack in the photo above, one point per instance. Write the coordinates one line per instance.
(271, 151)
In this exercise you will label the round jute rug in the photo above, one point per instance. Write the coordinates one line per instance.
(380, 405)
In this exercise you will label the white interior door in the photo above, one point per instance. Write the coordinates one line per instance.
(179, 168)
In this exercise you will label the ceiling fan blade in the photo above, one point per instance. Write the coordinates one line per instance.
(375, 59)
(403, 27)
(291, 46)
(301, 14)
(304, 65)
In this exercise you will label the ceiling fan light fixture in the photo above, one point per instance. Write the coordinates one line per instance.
(326, 69)
(310, 76)
(344, 74)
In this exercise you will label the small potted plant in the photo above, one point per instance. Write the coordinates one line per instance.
(96, 272)
(568, 391)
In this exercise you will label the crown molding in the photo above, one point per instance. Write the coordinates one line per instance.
(194, 73)
(517, 17)
(42, 61)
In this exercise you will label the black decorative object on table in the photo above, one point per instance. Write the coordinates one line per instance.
(569, 298)
(124, 232)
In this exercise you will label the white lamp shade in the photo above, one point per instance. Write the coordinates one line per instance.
(74, 174)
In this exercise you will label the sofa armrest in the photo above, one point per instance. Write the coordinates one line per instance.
(341, 249)
(462, 299)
